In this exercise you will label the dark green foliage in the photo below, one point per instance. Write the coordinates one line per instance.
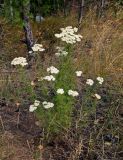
(11, 8)
(120, 2)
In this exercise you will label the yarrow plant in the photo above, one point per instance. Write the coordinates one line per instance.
(60, 91)
(100, 80)
(78, 73)
(73, 93)
(90, 82)
(60, 96)
(48, 78)
(97, 96)
(19, 61)
(36, 103)
(68, 35)
(47, 105)
(34, 106)
(52, 70)
(61, 52)
(38, 47)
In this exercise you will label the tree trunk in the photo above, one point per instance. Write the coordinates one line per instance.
(74, 7)
(64, 8)
(29, 41)
(100, 8)
(11, 10)
(81, 12)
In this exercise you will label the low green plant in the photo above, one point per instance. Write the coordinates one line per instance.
(59, 117)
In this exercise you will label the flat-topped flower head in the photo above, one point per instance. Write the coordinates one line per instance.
(32, 83)
(57, 54)
(60, 91)
(30, 52)
(75, 29)
(38, 47)
(100, 80)
(73, 93)
(49, 78)
(64, 53)
(97, 96)
(68, 35)
(53, 70)
(47, 105)
(61, 52)
(36, 103)
(19, 61)
(32, 108)
(78, 73)
(90, 82)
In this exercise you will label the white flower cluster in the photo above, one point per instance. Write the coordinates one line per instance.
(60, 91)
(61, 52)
(38, 47)
(47, 105)
(100, 80)
(68, 35)
(70, 92)
(49, 78)
(53, 70)
(19, 61)
(90, 82)
(73, 93)
(97, 96)
(34, 106)
(78, 73)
